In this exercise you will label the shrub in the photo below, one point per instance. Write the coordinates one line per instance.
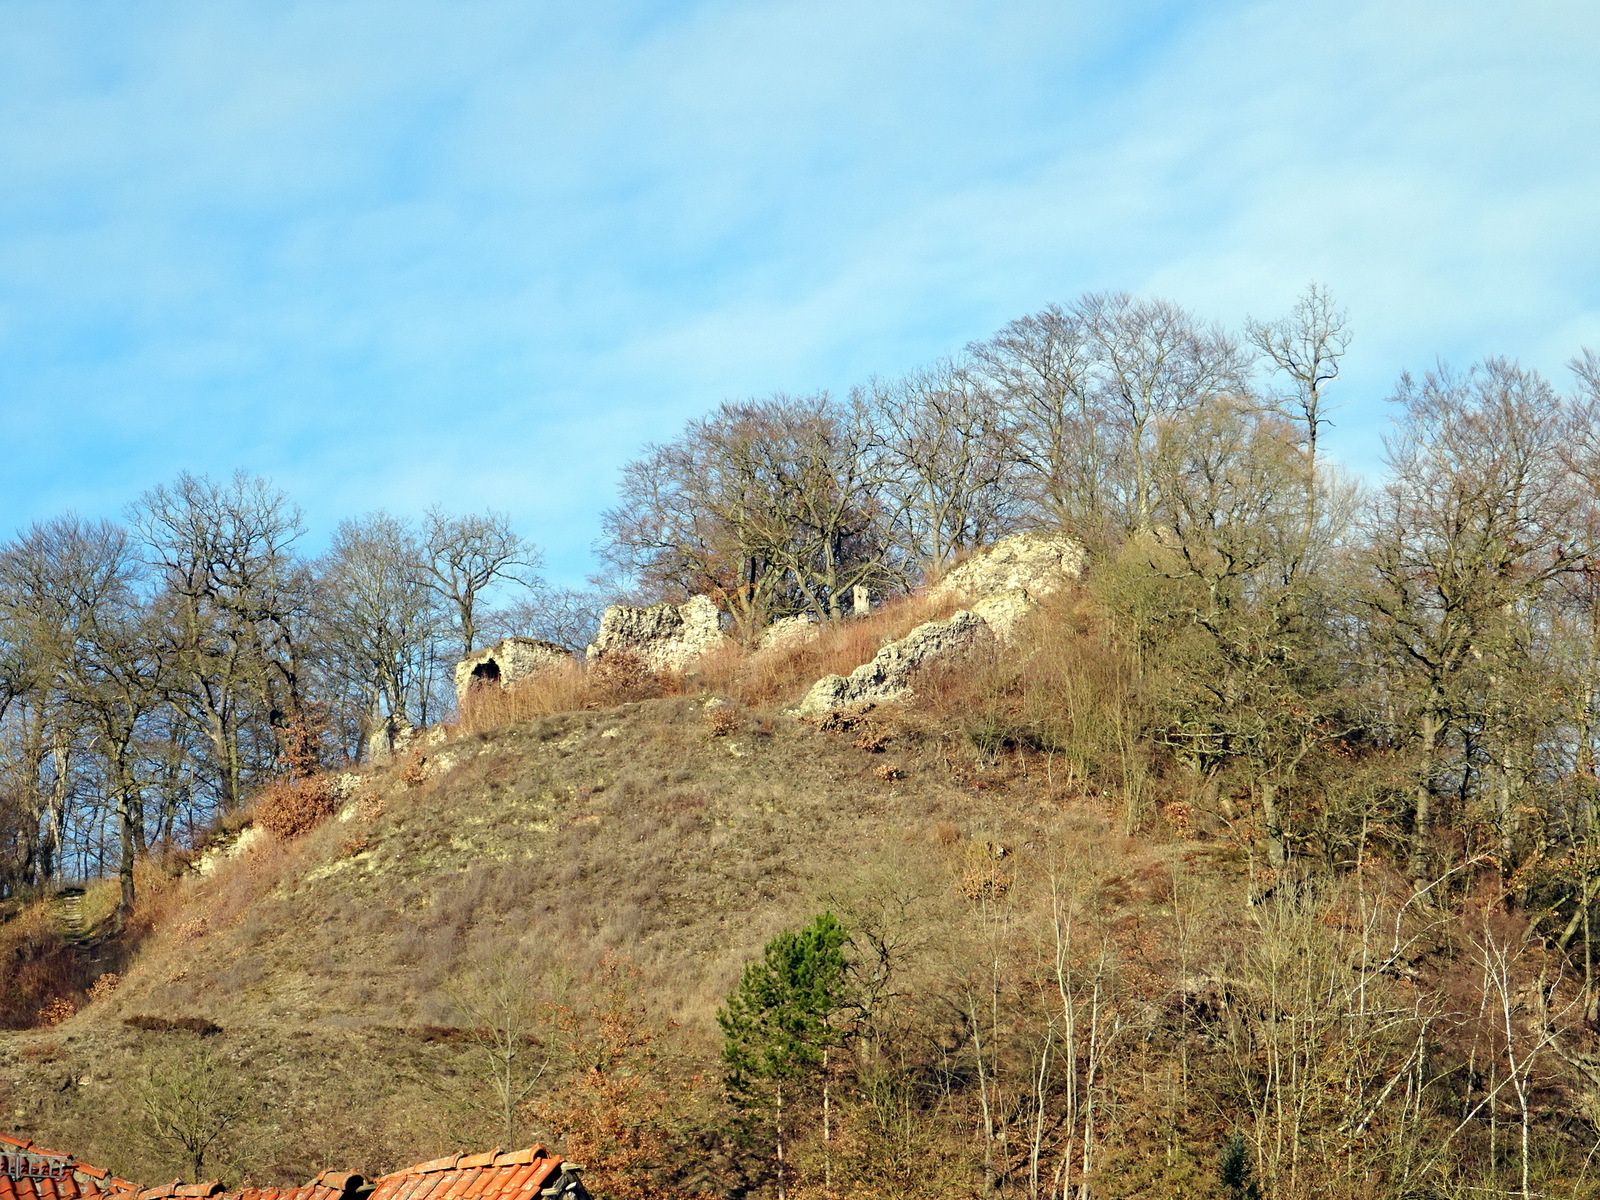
(621, 678)
(57, 1011)
(720, 720)
(289, 808)
(104, 986)
(621, 1111)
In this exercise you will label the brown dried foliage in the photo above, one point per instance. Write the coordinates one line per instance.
(104, 986)
(57, 1011)
(291, 808)
(619, 1113)
(720, 721)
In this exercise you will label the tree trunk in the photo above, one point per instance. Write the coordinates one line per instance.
(1277, 854)
(827, 1125)
(125, 859)
(1430, 728)
(777, 1127)
(58, 798)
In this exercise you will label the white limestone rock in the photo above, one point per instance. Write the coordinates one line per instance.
(1005, 612)
(666, 638)
(1035, 564)
(787, 633)
(387, 739)
(223, 850)
(891, 675)
(506, 662)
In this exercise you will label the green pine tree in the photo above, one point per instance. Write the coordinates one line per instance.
(779, 1021)
(1234, 1169)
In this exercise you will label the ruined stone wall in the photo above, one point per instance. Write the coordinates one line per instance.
(1033, 563)
(666, 638)
(507, 661)
(893, 671)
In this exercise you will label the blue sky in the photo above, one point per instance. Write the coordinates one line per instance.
(395, 253)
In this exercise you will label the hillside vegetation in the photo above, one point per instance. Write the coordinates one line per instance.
(1259, 863)
(1071, 965)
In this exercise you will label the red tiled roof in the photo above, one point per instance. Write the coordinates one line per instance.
(330, 1185)
(518, 1175)
(30, 1172)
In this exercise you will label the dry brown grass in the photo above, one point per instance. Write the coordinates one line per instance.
(782, 675)
(955, 833)
(45, 979)
(38, 968)
(559, 689)
(643, 830)
(617, 679)
(1068, 690)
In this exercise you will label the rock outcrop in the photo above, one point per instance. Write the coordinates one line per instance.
(1003, 583)
(506, 662)
(394, 738)
(1000, 586)
(892, 673)
(386, 739)
(665, 638)
(1005, 612)
(1033, 563)
(787, 633)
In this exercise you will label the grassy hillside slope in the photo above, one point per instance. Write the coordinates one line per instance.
(1072, 968)
(679, 835)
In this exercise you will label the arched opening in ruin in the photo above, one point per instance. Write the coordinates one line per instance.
(485, 673)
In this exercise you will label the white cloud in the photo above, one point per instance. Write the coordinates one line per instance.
(396, 251)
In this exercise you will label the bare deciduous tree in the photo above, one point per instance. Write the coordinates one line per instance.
(188, 1102)
(773, 507)
(78, 581)
(948, 478)
(225, 554)
(380, 617)
(463, 556)
(1481, 512)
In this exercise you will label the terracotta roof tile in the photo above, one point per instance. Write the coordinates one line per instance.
(417, 1187)
(30, 1172)
(459, 1182)
(512, 1175)
(516, 1177)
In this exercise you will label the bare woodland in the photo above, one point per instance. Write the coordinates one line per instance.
(1384, 700)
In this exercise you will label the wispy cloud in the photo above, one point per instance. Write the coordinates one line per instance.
(395, 252)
